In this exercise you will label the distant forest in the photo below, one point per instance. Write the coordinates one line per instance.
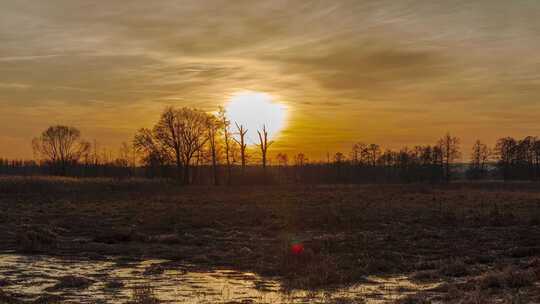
(195, 147)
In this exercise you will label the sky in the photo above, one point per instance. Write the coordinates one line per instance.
(390, 72)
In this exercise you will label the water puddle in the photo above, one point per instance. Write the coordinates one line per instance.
(113, 281)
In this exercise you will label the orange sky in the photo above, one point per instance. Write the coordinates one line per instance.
(392, 72)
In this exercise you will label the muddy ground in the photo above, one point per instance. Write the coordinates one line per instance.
(479, 241)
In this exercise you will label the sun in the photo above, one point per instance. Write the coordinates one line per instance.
(253, 110)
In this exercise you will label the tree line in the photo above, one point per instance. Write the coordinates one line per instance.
(196, 147)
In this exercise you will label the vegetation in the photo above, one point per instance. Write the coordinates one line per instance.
(201, 148)
(314, 229)
(466, 235)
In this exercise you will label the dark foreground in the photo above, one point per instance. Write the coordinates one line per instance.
(480, 243)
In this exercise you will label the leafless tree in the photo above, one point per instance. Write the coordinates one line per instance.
(192, 135)
(300, 160)
(479, 158)
(213, 126)
(283, 159)
(123, 159)
(153, 154)
(263, 144)
(225, 124)
(373, 154)
(168, 133)
(339, 158)
(506, 151)
(449, 146)
(60, 146)
(242, 144)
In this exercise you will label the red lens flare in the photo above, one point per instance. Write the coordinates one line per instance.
(297, 249)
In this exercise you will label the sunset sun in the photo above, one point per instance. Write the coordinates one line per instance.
(255, 109)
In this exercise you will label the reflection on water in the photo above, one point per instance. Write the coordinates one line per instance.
(33, 276)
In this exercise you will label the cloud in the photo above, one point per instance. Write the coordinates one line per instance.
(348, 70)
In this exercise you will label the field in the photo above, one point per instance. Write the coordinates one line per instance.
(475, 243)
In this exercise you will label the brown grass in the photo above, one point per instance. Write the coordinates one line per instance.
(143, 294)
(433, 233)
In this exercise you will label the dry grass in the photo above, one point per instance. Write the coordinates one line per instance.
(434, 233)
(71, 282)
(508, 278)
(144, 295)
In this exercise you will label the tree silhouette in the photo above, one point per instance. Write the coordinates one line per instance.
(225, 124)
(192, 134)
(213, 126)
(167, 132)
(449, 146)
(479, 157)
(300, 159)
(506, 150)
(242, 143)
(60, 146)
(263, 144)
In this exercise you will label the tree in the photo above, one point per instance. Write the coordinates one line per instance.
(60, 146)
(449, 146)
(536, 152)
(283, 159)
(300, 160)
(526, 157)
(124, 157)
(167, 132)
(339, 158)
(242, 144)
(192, 135)
(506, 151)
(177, 136)
(154, 156)
(213, 126)
(373, 153)
(225, 124)
(263, 144)
(479, 158)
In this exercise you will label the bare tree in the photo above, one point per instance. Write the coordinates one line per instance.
(300, 160)
(506, 151)
(263, 144)
(167, 132)
(479, 158)
(449, 146)
(358, 153)
(60, 146)
(123, 159)
(373, 154)
(339, 158)
(242, 143)
(225, 124)
(153, 154)
(283, 159)
(213, 126)
(536, 153)
(192, 134)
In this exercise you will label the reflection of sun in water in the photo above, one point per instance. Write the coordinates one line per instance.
(255, 109)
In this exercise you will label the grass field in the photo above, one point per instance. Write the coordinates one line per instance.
(481, 241)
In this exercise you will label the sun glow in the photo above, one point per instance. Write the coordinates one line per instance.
(253, 110)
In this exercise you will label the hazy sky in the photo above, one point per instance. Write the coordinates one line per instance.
(392, 72)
